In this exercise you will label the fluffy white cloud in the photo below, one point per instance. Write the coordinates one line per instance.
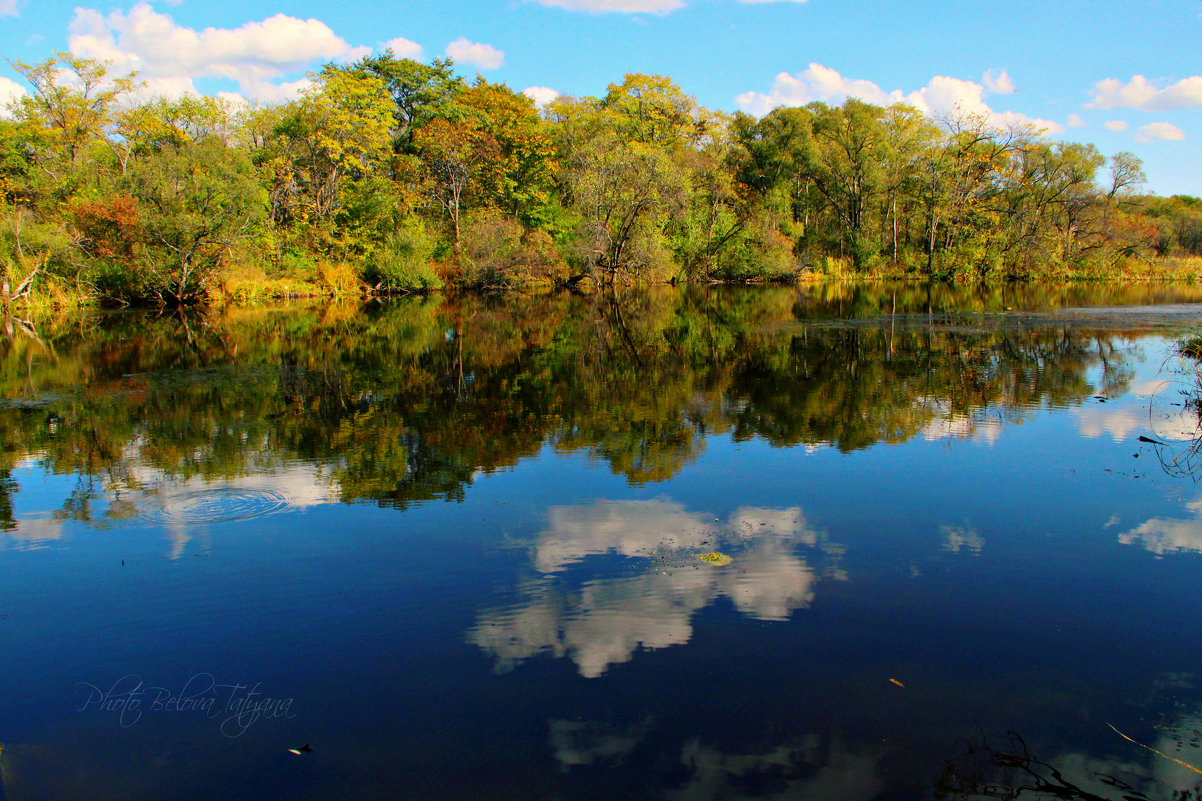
(619, 6)
(8, 8)
(942, 96)
(608, 619)
(10, 91)
(1141, 94)
(1115, 125)
(1076, 121)
(632, 6)
(998, 82)
(541, 95)
(1160, 130)
(1122, 422)
(1162, 535)
(484, 56)
(404, 48)
(169, 56)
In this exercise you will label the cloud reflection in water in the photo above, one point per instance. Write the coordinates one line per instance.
(605, 619)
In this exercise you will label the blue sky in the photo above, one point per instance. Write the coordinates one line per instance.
(1124, 76)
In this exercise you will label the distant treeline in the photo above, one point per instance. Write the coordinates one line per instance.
(392, 175)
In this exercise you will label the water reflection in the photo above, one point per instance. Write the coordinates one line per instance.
(604, 619)
(982, 427)
(185, 508)
(575, 743)
(808, 769)
(1008, 767)
(965, 537)
(948, 454)
(1162, 535)
(408, 402)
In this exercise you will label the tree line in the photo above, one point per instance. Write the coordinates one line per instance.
(390, 175)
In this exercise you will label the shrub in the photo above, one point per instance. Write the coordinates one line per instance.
(339, 277)
(403, 260)
(497, 252)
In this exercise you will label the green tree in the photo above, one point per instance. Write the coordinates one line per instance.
(199, 199)
(74, 98)
(419, 91)
(334, 136)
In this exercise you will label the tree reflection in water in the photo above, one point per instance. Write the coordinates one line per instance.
(406, 402)
(1009, 769)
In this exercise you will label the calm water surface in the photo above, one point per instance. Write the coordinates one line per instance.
(455, 546)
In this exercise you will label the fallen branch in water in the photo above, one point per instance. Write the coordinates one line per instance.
(1153, 750)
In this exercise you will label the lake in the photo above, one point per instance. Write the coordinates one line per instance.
(832, 542)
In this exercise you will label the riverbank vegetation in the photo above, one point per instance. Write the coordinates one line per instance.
(388, 175)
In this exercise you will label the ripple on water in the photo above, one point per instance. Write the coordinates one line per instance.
(221, 504)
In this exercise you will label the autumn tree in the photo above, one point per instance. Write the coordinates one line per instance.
(199, 199)
(73, 98)
(328, 141)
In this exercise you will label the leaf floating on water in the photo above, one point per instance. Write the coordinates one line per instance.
(715, 558)
(898, 683)
(1153, 441)
(304, 749)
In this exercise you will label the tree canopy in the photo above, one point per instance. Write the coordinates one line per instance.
(391, 175)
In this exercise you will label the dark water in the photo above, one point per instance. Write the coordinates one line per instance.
(454, 545)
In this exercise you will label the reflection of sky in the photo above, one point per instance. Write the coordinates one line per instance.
(1163, 535)
(806, 770)
(1179, 741)
(1124, 423)
(1161, 768)
(606, 619)
(981, 428)
(185, 508)
(576, 742)
(801, 767)
(1150, 405)
(966, 538)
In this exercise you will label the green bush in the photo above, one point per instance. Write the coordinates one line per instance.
(403, 260)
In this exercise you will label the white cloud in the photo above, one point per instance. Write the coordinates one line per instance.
(1139, 93)
(1076, 121)
(235, 100)
(168, 57)
(403, 48)
(541, 95)
(10, 91)
(957, 538)
(942, 95)
(1160, 130)
(619, 6)
(484, 56)
(944, 423)
(1162, 535)
(1115, 125)
(633, 6)
(608, 619)
(1121, 423)
(998, 82)
(8, 8)
(1117, 423)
